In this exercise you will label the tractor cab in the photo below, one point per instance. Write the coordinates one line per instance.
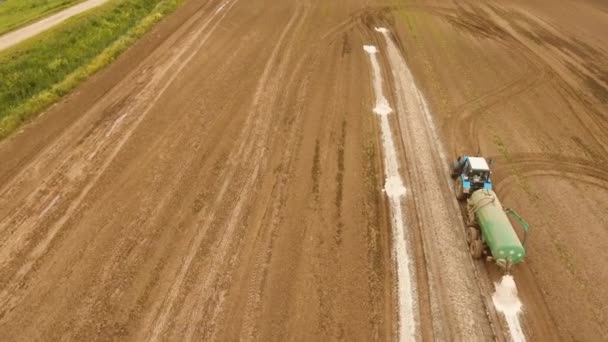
(471, 174)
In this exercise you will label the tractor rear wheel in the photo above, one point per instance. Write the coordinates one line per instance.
(476, 249)
(472, 234)
(460, 195)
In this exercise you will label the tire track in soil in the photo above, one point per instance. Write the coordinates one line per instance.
(428, 179)
(508, 33)
(76, 189)
(97, 136)
(263, 255)
(250, 150)
(111, 268)
(64, 171)
(366, 23)
(346, 34)
(593, 120)
(123, 269)
(537, 319)
(120, 267)
(542, 72)
(527, 165)
(271, 216)
(473, 111)
(19, 183)
(406, 288)
(536, 60)
(329, 324)
(467, 115)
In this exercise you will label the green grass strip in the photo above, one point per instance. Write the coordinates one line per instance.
(38, 72)
(16, 13)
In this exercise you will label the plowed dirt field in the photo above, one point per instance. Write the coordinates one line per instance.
(224, 178)
(526, 83)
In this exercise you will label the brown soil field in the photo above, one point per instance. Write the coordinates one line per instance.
(223, 179)
(526, 83)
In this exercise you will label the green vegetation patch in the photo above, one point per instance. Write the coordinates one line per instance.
(16, 13)
(36, 73)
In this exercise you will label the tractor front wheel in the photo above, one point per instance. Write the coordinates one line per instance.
(460, 195)
(456, 168)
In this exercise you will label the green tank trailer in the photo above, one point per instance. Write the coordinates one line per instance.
(490, 233)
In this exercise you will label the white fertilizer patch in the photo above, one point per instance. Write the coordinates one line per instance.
(382, 107)
(506, 301)
(416, 102)
(394, 187)
(370, 49)
(395, 190)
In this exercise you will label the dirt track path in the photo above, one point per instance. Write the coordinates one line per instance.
(19, 35)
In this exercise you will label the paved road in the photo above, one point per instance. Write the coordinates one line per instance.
(15, 37)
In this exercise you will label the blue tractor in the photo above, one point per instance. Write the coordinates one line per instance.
(471, 174)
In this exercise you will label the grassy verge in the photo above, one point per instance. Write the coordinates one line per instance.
(16, 13)
(38, 72)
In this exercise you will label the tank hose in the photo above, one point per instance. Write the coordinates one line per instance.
(479, 205)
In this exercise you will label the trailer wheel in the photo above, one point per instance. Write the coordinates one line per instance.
(476, 249)
(472, 234)
(460, 195)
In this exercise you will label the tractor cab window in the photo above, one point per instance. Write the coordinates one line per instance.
(486, 176)
(478, 176)
(468, 172)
